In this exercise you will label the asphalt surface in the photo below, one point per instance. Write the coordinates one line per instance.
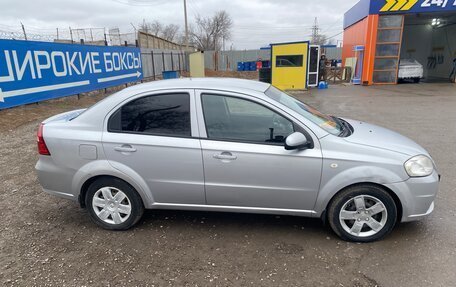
(47, 241)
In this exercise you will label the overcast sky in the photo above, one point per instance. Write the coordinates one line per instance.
(256, 23)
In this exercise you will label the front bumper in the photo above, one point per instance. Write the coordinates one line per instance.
(417, 196)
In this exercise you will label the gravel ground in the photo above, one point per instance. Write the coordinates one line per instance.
(47, 241)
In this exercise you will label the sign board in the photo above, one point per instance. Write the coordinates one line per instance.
(411, 6)
(35, 71)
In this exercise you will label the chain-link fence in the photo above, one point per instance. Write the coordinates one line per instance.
(88, 36)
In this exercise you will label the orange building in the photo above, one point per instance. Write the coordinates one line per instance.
(391, 30)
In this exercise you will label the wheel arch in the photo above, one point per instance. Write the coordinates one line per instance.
(396, 199)
(95, 170)
(85, 187)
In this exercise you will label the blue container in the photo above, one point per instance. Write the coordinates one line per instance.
(322, 85)
(240, 66)
(170, 75)
(252, 66)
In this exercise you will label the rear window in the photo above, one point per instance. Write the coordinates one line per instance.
(167, 115)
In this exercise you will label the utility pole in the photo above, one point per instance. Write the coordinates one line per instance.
(315, 34)
(186, 25)
(23, 30)
(71, 35)
(57, 33)
(145, 27)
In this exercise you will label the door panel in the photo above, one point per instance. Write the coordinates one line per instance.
(170, 162)
(245, 162)
(314, 65)
(261, 175)
(171, 167)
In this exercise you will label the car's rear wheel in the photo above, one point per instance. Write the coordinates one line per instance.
(363, 213)
(113, 204)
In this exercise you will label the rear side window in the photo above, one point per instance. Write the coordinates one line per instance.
(167, 115)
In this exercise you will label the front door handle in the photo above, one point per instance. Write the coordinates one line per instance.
(126, 148)
(225, 156)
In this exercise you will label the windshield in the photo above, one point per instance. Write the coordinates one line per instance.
(328, 123)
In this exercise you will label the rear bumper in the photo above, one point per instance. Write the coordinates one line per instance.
(417, 196)
(61, 194)
(53, 179)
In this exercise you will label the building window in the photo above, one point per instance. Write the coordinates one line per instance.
(387, 54)
(289, 61)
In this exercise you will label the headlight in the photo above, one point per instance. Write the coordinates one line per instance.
(419, 166)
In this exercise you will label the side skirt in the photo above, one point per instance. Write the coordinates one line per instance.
(238, 209)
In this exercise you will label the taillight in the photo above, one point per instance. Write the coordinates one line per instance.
(42, 148)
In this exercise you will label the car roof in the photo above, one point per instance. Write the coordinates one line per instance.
(230, 84)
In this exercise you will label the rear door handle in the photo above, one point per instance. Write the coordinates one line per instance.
(225, 156)
(125, 148)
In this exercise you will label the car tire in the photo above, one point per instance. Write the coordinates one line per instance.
(362, 213)
(113, 204)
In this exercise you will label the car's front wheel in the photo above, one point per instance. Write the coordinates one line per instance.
(363, 213)
(113, 204)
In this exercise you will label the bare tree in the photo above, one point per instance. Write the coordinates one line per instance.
(319, 39)
(170, 32)
(154, 28)
(208, 33)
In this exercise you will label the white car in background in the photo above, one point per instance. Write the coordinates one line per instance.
(410, 69)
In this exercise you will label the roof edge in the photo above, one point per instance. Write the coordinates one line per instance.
(357, 13)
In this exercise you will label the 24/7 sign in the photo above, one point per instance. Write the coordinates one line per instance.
(438, 3)
(36, 71)
(411, 6)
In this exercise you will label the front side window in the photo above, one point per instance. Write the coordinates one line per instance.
(167, 115)
(229, 118)
(326, 122)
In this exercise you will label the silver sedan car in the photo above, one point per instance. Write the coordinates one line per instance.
(233, 146)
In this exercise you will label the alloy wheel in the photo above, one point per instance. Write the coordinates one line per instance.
(363, 216)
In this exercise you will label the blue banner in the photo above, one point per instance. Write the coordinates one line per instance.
(36, 71)
(411, 6)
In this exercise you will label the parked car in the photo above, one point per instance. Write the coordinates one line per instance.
(410, 69)
(233, 146)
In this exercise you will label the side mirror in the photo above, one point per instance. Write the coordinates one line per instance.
(297, 140)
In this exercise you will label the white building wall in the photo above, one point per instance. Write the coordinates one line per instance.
(416, 44)
(446, 38)
(423, 41)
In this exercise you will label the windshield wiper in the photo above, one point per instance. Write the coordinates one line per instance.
(343, 128)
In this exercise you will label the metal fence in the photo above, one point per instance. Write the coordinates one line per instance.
(88, 36)
(227, 60)
(155, 61)
(333, 53)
